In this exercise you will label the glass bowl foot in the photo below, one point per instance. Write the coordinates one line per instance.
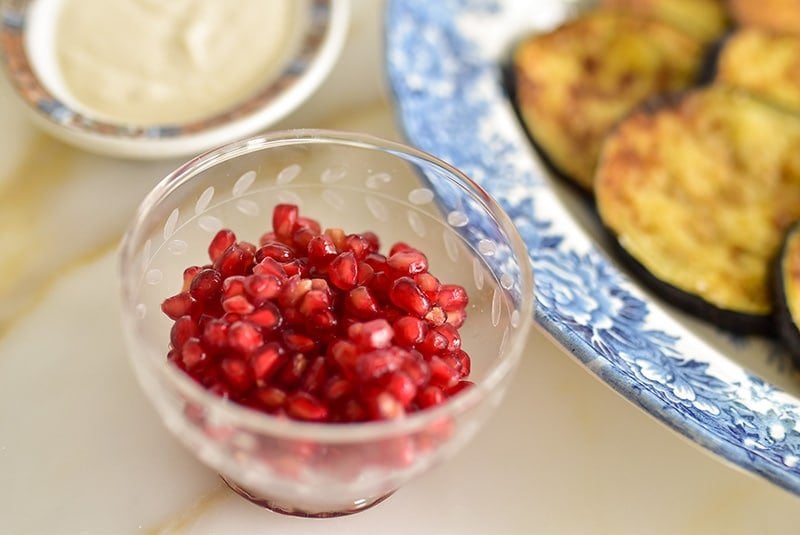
(284, 508)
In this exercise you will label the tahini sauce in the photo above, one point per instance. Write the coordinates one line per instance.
(165, 61)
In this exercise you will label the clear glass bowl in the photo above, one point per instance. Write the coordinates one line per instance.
(358, 183)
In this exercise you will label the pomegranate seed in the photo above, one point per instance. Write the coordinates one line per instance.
(237, 373)
(322, 320)
(188, 276)
(337, 389)
(429, 285)
(417, 370)
(321, 250)
(436, 316)
(234, 261)
(219, 243)
(337, 236)
(456, 318)
(215, 335)
(406, 295)
(193, 355)
(452, 297)
(308, 223)
(400, 247)
(301, 238)
(453, 338)
(464, 360)
(270, 266)
(408, 262)
(261, 288)
(372, 365)
(275, 250)
(268, 317)
(284, 218)
(296, 267)
(206, 285)
(314, 301)
(293, 290)
(248, 248)
(372, 334)
(460, 387)
(315, 376)
(345, 354)
(237, 304)
(376, 261)
(384, 406)
(303, 406)
(343, 271)
(233, 286)
(294, 370)
(401, 387)
(433, 343)
(231, 317)
(409, 331)
(267, 237)
(364, 273)
(179, 305)
(270, 397)
(442, 374)
(430, 396)
(244, 337)
(358, 245)
(266, 360)
(373, 240)
(183, 329)
(361, 303)
(298, 342)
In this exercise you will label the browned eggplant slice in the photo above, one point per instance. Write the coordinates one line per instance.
(782, 16)
(764, 64)
(705, 20)
(698, 192)
(572, 84)
(787, 291)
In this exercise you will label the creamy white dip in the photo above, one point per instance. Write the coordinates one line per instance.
(165, 61)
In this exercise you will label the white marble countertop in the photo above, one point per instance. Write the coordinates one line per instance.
(83, 452)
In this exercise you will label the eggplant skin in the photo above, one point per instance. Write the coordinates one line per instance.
(780, 16)
(765, 64)
(574, 83)
(705, 20)
(786, 285)
(698, 190)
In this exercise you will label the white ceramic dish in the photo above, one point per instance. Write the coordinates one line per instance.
(26, 45)
(736, 396)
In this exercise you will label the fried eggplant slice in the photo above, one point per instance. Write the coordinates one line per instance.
(574, 83)
(786, 281)
(781, 16)
(764, 64)
(698, 192)
(705, 20)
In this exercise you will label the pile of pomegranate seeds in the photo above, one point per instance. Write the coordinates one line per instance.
(319, 325)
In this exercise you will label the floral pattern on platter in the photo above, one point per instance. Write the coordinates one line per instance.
(443, 67)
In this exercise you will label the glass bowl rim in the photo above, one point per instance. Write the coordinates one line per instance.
(252, 420)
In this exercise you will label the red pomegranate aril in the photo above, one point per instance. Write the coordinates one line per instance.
(320, 326)
(293, 371)
(373, 365)
(206, 285)
(183, 329)
(284, 217)
(270, 266)
(215, 335)
(343, 271)
(303, 406)
(267, 317)
(361, 303)
(237, 304)
(314, 301)
(261, 288)
(237, 373)
(442, 374)
(188, 276)
(182, 304)
(219, 243)
(233, 286)
(298, 342)
(406, 295)
(315, 377)
(409, 262)
(244, 337)
(321, 250)
(275, 250)
(266, 360)
(430, 396)
(373, 334)
(336, 389)
(452, 297)
(271, 398)
(401, 387)
(193, 354)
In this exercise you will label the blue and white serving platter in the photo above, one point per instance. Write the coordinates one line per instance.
(738, 397)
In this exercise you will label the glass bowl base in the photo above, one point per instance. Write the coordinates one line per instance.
(284, 508)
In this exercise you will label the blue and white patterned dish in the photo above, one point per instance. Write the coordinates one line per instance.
(738, 397)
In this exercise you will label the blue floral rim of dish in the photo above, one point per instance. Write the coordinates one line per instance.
(443, 68)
